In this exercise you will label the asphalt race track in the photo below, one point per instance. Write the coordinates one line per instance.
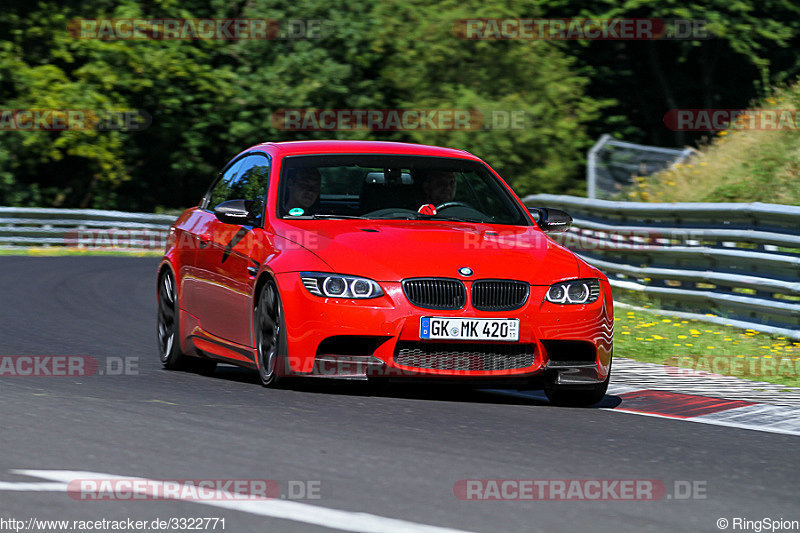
(396, 456)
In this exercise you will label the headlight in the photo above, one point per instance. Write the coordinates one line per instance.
(578, 291)
(337, 286)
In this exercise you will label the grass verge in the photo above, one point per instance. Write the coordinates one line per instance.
(739, 164)
(697, 347)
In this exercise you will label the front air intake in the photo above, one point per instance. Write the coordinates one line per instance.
(464, 356)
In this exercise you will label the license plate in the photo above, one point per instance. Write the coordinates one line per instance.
(469, 329)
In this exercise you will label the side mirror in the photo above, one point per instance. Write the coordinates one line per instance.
(238, 212)
(551, 220)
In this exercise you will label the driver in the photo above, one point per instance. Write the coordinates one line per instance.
(438, 187)
(303, 188)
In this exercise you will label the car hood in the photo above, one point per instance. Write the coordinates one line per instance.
(395, 250)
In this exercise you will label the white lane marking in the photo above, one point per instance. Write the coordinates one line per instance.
(759, 417)
(763, 417)
(706, 419)
(287, 510)
(32, 487)
(621, 389)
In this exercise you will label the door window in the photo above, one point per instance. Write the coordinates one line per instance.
(251, 183)
(221, 189)
(246, 179)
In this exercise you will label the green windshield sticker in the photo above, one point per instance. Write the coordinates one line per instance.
(296, 212)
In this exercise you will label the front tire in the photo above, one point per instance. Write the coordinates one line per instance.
(169, 349)
(269, 333)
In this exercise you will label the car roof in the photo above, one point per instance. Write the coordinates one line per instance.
(361, 147)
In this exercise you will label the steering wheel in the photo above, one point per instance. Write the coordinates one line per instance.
(453, 204)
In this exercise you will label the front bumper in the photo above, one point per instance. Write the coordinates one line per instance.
(574, 341)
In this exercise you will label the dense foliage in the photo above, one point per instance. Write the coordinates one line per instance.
(210, 98)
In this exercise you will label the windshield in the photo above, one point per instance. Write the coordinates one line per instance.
(394, 187)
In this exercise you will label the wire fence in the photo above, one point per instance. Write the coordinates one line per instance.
(612, 165)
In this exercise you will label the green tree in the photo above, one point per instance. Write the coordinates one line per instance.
(431, 67)
(184, 86)
(751, 46)
(209, 99)
(406, 55)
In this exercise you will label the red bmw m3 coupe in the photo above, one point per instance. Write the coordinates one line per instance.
(379, 260)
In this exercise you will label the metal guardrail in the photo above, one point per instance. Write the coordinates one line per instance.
(82, 228)
(737, 262)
